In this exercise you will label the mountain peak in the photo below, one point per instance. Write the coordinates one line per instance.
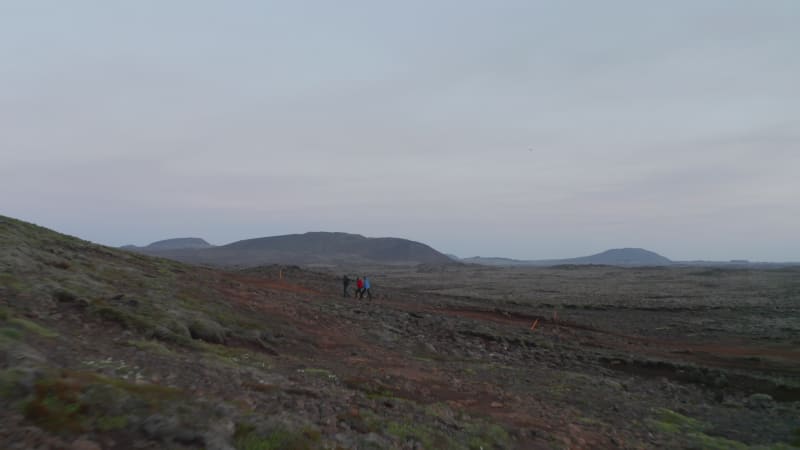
(628, 256)
(177, 243)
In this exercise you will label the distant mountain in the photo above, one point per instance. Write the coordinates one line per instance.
(496, 261)
(315, 248)
(623, 257)
(172, 244)
(613, 257)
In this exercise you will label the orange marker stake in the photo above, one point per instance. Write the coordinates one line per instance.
(535, 322)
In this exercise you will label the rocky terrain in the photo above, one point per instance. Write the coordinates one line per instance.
(104, 348)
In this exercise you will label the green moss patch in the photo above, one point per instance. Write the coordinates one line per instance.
(124, 318)
(10, 333)
(33, 327)
(426, 436)
(407, 430)
(247, 437)
(707, 442)
(56, 406)
(10, 383)
(78, 401)
(487, 436)
(109, 423)
(11, 283)
(670, 422)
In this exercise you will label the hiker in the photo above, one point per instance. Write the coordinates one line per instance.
(345, 283)
(359, 287)
(366, 289)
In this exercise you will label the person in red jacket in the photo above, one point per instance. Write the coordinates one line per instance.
(359, 287)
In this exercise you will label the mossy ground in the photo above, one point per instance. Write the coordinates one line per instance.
(79, 401)
(107, 338)
(694, 431)
(33, 327)
(248, 437)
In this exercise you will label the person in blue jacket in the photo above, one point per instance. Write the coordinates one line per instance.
(366, 289)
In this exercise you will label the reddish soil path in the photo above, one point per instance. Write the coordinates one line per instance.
(255, 282)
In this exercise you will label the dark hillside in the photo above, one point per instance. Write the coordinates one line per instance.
(104, 348)
(310, 248)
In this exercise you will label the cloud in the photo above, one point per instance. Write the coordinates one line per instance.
(524, 129)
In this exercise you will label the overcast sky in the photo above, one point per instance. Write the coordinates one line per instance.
(525, 129)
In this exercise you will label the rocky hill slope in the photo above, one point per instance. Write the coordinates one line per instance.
(104, 348)
(316, 248)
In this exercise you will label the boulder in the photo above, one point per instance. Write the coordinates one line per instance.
(207, 330)
(759, 401)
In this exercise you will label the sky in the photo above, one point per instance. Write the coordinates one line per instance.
(525, 129)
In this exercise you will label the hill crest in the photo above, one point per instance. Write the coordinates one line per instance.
(311, 248)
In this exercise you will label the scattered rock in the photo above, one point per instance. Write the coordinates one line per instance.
(189, 437)
(20, 355)
(20, 381)
(160, 427)
(65, 296)
(217, 443)
(760, 401)
(85, 444)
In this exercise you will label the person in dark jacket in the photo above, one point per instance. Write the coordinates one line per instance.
(345, 284)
